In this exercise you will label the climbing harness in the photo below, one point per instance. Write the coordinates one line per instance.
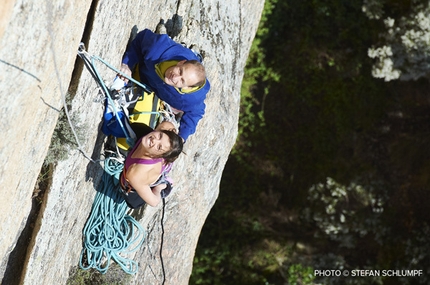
(121, 97)
(111, 104)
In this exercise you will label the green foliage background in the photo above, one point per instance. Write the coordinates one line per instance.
(331, 166)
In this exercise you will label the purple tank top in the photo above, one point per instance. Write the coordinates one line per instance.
(130, 160)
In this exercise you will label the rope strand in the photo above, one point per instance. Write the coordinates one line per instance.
(161, 244)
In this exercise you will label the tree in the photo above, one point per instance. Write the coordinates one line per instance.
(404, 51)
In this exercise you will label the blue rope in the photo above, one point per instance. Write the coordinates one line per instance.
(89, 61)
(110, 101)
(110, 233)
(143, 86)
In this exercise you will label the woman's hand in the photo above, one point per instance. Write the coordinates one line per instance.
(166, 126)
(126, 70)
(157, 189)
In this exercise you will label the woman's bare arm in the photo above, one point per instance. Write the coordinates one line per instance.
(140, 177)
(152, 198)
(167, 126)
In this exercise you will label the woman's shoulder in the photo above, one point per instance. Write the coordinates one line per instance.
(144, 173)
(148, 166)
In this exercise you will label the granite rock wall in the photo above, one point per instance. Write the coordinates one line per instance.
(38, 67)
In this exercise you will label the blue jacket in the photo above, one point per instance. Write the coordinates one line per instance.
(149, 49)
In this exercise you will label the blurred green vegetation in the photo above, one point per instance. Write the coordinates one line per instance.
(331, 166)
(115, 276)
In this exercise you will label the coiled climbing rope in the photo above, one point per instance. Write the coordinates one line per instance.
(110, 233)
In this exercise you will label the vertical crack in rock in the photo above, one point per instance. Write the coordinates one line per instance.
(79, 65)
(19, 256)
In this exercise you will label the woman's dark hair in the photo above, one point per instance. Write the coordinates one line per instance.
(176, 144)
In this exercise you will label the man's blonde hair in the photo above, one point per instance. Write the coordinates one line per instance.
(200, 71)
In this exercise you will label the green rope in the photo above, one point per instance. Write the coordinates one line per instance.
(110, 234)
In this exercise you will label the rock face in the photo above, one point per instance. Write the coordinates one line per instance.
(38, 66)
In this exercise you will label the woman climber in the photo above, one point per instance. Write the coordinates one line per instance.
(142, 177)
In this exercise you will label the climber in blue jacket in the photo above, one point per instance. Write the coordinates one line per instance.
(173, 72)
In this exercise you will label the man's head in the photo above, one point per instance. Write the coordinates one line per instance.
(185, 74)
